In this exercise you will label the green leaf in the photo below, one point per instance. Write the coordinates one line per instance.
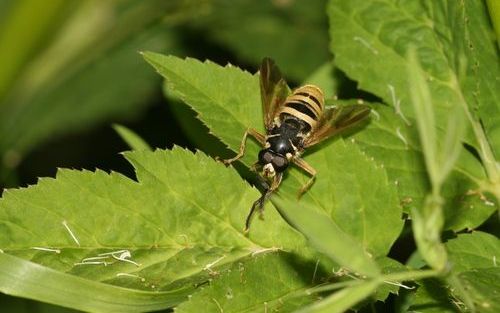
(453, 43)
(134, 141)
(220, 95)
(274, 281)
(379, 34)
(30, 280)
(472, 260)
(395, 145)
(482, 286)
(355, 192)
(11, 304)
(473, 251)
(86, 72)
(181, 221)
(481, 88)
(433, 296)
(389, 266)
(352, 189)
(327, 237)
(494, 11)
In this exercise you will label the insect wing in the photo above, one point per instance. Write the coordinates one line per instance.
(335, 120)
(273, 90)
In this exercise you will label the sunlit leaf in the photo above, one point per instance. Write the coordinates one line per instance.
(350, 187)
(182, 220)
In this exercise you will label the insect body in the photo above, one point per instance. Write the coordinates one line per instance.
(298, 115)
(294, 121)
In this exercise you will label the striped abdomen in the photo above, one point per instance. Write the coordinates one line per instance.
(306, 104)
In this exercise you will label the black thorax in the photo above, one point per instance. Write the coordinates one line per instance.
(282, 139)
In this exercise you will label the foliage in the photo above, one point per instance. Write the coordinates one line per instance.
(172, 236)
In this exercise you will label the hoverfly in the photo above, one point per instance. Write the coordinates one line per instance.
(294, 121)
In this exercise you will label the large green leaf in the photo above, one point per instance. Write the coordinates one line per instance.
(395, 145)
(174, 227)
(453, 44)
(352, 189)
(379, 34)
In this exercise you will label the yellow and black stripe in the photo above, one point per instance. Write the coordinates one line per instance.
(306, 103)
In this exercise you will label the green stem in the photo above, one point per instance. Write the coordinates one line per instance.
(488, 160)
(411, 275)
(394, 277)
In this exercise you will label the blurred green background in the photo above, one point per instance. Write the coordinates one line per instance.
(70, 69)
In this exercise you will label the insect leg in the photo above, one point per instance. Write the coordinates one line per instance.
(310, 170)
(250, 131)
(274, 185)
(259, 203)
(276, 182)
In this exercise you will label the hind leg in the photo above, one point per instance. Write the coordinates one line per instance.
(308, 169)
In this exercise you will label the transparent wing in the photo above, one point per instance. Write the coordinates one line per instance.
(336, 119)
(273, 90)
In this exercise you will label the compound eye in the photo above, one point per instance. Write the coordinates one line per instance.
(280, 163)
(265, 157)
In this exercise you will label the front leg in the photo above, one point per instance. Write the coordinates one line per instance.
(259, 203)
(310, 170)
(254, 133)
